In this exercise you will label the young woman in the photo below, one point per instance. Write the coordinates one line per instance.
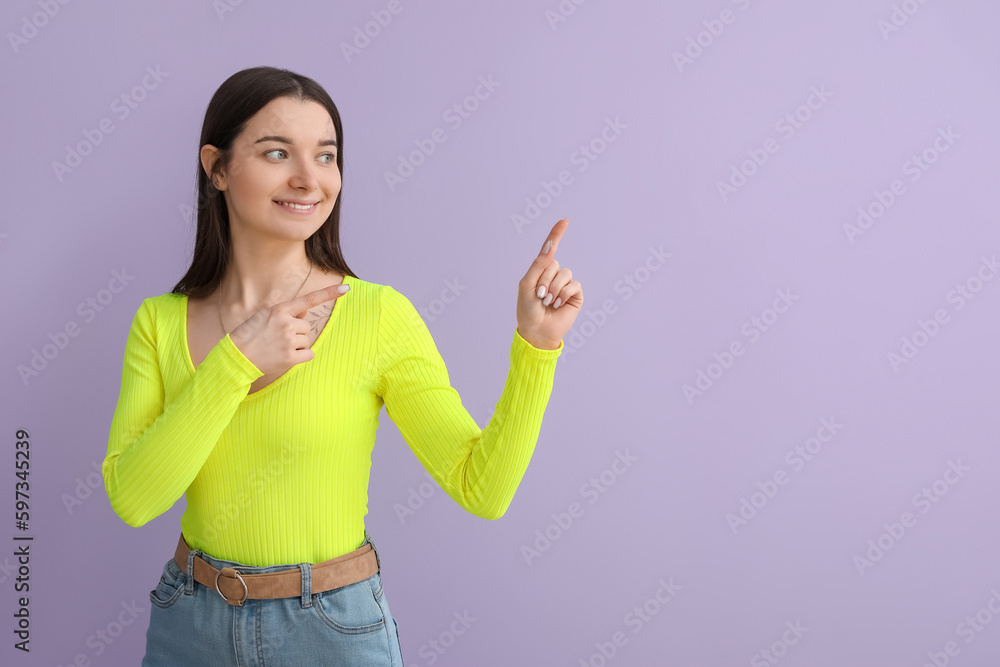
(255, 386)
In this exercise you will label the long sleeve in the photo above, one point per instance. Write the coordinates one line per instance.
(479, 468)
(155, 452)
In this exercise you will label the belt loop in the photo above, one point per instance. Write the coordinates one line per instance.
(189, 582)
(368, 538)
(306, 584)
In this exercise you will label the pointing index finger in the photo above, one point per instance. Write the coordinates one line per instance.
(552, 241)
(301, 305)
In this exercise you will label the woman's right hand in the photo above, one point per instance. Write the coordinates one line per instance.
(275, 338)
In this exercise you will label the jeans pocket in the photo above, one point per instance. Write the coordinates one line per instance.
(375, 581)
(170, 586)
(352, 609)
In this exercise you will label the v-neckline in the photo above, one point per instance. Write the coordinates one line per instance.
(278, 380)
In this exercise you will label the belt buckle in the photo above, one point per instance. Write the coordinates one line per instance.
(238, 603)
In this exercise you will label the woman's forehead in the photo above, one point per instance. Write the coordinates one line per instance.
(293, 118)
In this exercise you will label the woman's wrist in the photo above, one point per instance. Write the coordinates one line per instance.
(539, 343)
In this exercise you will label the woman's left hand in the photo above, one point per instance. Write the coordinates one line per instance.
(548, 299)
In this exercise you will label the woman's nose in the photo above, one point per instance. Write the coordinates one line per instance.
(303, 175)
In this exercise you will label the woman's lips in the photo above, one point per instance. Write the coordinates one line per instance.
(296, 208)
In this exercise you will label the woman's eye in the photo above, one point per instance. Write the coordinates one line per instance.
(327, 158)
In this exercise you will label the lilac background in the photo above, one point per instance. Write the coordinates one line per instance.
(619, 384)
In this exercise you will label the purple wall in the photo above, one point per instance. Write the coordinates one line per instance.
(773, 413)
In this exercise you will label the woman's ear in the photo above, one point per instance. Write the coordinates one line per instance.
(208, 155)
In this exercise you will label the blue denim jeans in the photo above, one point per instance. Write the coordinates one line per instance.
(190, 624)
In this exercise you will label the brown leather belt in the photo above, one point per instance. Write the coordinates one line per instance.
(235, 587)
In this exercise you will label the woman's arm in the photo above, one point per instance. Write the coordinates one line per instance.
(479, 468)
(154, 453)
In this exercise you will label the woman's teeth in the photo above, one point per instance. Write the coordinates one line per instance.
(298, 207)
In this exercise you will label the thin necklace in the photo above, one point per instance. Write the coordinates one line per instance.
(296, 294)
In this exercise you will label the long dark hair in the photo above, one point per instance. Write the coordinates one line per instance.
(235, 102)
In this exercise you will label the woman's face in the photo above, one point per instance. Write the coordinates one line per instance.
(286, 155)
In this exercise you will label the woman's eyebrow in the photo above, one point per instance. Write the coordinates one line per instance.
(286, 140)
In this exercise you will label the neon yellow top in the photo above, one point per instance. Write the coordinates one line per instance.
(280, 476)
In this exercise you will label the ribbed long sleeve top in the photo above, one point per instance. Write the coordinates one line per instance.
(280, 475)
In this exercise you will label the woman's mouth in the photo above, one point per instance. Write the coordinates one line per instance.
(297, 208)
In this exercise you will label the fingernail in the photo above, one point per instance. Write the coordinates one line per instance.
(557, 303)
(541, 291)
(343, 288)
(547, 247)
(547, 300)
